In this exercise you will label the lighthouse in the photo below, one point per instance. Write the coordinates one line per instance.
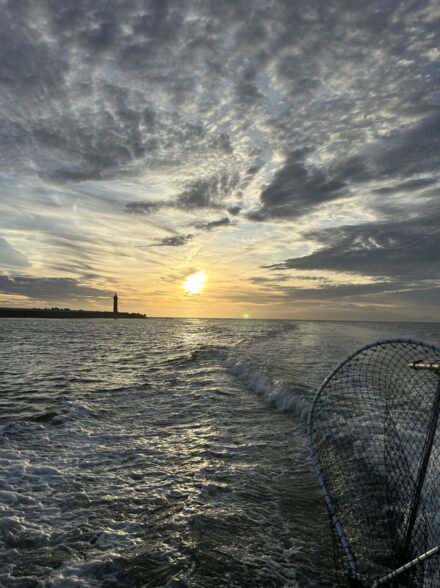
(115, 304)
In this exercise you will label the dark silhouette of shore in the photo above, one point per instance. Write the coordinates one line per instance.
(62, 313)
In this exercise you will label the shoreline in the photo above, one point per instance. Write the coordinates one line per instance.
(60, 313)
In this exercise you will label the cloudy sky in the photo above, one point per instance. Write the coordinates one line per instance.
(289, 149)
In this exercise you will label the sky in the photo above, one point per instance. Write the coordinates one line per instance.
(287, 149)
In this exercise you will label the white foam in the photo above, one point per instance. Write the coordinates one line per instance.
(256, 378)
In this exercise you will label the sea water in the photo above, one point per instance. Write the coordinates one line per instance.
(166, 452)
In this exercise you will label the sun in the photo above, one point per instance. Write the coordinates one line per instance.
(195, 283)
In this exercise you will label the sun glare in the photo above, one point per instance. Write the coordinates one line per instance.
(195, 283)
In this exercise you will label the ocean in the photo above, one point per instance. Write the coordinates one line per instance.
(166, 452)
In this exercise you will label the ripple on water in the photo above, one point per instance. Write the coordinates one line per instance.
(163, 453)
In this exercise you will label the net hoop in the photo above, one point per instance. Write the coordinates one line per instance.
(348, 553)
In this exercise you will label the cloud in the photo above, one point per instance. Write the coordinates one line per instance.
(337, 291)
(175, 241)
(403, 252)
(271, 280)
(143, 206)
(10, 257)
(297, 188)
(84, 87)
(407, 186)
(277, 111)
(207, 193)
(90, 93)
(410, 150)
(208, 226)
(49, 288)
(300, 187)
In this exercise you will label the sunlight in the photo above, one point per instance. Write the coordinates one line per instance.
(195, 283)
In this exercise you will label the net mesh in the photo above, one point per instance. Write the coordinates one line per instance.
(372, 432)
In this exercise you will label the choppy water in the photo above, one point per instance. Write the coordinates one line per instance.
(165, 452)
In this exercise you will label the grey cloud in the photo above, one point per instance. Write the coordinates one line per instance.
(379, 301)
(67, 145)
(248, 92)
(338, 291)
(402, 156)
(96, 115)
(246, 86)
(399, 251)
(390, 207)
(28, 60)
(199, 194)
(49, 288)
(429, 296)
(143, 206)
(296, 189)
(300, 187)
(268, 281)
(207, 193)
(208, 226)
(407, 186)
(92, 116)
(175, 241)
(413, 149)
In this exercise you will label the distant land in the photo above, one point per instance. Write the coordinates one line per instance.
(62, 313)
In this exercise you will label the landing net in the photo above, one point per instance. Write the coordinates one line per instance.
(374, 447)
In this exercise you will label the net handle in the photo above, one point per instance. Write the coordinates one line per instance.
(411, 564)
(349, 557)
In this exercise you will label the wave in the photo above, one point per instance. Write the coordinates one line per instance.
(284, 395)
(280, 394)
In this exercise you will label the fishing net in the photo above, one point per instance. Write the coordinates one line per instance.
(372, 433)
